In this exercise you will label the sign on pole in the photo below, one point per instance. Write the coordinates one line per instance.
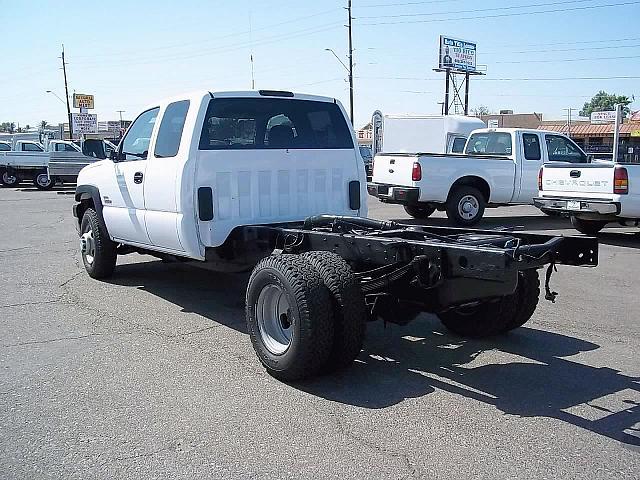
(81, 100)
(84, 123)
(616, 131)
(603, 117)
(456, 54)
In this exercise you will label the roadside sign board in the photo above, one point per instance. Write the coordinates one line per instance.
(603, 117)
(81, 100)
(493, 123)
(84, 123)
(456, 54)
(635, 133)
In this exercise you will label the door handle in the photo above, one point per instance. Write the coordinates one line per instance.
(137, 177)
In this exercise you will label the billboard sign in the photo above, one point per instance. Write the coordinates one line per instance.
(456, 54)
(603, 117)
(81, 100)
(84, 123)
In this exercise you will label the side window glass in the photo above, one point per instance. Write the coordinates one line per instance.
(562, 149)
(30, 147)
(458, 145)
(135, 145)
(531, 146)
(171, 127)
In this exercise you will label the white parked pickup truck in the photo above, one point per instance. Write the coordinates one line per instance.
(592, 195)
(60, 161)
(230, 180)
(499, 167)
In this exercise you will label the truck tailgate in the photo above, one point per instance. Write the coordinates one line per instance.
(588, 180)
(394, 169)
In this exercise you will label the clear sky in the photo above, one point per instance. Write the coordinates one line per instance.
(129, 54)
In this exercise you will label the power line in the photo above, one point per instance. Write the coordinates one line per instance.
(212, 40)
(582, 49)
(478, 10)
(485, 79)
(563, 60)
(426, 2)
(500, 15)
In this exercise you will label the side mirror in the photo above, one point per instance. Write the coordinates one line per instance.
(113, 156)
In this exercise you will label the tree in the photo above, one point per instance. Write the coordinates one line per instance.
(43, 125)
(603, 101)
(480, 110)
(27, 127)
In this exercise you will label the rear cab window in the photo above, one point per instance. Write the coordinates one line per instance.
(458, 145)
(171, 128)
(489, 143)
(274, 123)
(531, 143)
(31, 147)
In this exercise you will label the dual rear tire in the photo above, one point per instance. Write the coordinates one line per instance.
(499, 315)
(305, 314)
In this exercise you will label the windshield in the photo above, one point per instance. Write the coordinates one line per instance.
(365, 152)
(489, 143)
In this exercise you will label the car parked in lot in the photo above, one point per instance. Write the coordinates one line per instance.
(273, 181)
(592, 195)
(499, 167)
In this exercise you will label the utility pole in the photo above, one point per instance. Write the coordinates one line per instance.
(616, 132)
(66, 91)
(350, 63)
(569, 110)
(120, 112)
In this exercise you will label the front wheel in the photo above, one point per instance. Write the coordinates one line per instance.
(420, 211)
(289, 317)
(465, 206)
(9, 179)
(588, 227)
(43, 182)
(97, 249)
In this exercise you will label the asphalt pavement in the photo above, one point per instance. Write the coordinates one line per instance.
(151, 374)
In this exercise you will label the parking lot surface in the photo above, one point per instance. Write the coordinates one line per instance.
(151, 374)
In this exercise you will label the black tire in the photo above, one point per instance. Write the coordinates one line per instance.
(9, 180)
(309, 316)
(103, 261)
(550, 213)
(349, 308)
(420, 211)
(527, 296)
(588, 227)
(496, 316)
(41, 184)
(456, 197)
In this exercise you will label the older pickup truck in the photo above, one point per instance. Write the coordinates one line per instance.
(499, 167)
(591, 195)
(273, 181)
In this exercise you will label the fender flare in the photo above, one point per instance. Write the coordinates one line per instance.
(82, 195)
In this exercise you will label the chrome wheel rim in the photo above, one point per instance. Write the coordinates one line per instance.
(88, 246)
(9, 179)
(468, 207)
(43, 180)
(275, 322)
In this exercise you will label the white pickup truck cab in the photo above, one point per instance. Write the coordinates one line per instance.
(192, 170)
(591, 195)
(499, 167)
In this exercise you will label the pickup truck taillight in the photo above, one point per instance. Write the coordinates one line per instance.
(540, 179)
(416, 172)
(620, 181)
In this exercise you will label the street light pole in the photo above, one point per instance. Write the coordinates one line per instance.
(350, 64)
(56, 95)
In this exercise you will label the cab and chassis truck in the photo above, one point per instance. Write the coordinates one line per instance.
(272, 182)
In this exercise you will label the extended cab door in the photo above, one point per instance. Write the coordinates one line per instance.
(273, 159)
(123, 194)
(529, 159)
(165, 164)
